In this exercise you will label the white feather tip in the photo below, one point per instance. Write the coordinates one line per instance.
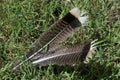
(92, 51)
(75, 12)
(80, 16)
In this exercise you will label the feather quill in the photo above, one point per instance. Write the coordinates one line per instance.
(56, 34)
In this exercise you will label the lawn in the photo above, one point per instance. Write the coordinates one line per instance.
(23, 21)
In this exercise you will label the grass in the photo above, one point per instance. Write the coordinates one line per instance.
(22, 21)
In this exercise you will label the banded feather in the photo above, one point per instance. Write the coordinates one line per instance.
(60, 29)
(71, 21)
(72, 55)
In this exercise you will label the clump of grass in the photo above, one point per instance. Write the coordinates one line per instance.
(21, 22)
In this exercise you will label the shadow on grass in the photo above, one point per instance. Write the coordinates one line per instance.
(89, 71)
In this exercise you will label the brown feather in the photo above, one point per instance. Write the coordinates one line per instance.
(71, 55)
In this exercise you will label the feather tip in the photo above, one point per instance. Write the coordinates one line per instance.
(75, 12)
(91, 52)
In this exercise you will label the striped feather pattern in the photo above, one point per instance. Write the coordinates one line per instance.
(54, 29)
(64, 56)
(61, 38)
